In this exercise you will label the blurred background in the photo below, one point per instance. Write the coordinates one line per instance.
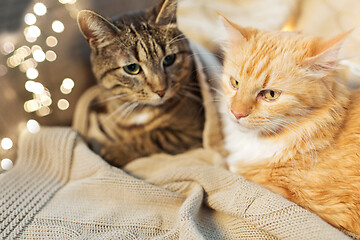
(44, 60)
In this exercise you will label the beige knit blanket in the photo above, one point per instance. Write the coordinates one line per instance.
(60, 189)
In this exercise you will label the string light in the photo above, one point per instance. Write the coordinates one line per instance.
(33, 126)
(40, 9)
(57, 26)
(30, 19)
(6, 164)
(6, 143)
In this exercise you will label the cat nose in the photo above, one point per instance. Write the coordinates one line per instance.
(239, 115)
(161, 93)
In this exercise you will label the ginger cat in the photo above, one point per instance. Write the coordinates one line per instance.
(289, 124)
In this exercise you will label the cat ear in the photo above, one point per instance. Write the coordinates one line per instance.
(95, 28)
(327, 55)
(166, 12)
(235, 34)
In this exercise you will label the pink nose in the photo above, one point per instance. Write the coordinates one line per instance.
(239, 115)
(161, 93)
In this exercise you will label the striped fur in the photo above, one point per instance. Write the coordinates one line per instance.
(160, 108)
(305, 144)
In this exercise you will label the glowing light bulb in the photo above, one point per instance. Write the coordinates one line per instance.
(33, 126)
(57, 26)
(6, 143)
(6, 164)
(51, 41)
(39, 55)
(32, 73)
(30, 19)
(63, 104)
(40, 9)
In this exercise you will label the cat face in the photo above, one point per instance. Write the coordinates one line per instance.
(141, 56)
(275, 80)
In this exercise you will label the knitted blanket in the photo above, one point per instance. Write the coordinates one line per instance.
(60, 189)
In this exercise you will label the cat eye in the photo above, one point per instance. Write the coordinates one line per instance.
(169, 60)
(234, 83)
(133, 69)
(270, 95)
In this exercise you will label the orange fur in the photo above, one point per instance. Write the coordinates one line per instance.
(315, 122)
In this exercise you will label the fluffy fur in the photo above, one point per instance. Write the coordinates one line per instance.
(151, 100)
(304, 144)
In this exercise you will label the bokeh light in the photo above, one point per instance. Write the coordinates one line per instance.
(39, 55)
(50, 56)
(51, 41)
(7, 48)
(6, 164)
(63, 104)
(68, 83)
(30, 19)
(57, 26)
(6, 143)
(40, 9)
(32, 105)
(32, 73)
(33, 126)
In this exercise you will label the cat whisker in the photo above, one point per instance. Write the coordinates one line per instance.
(119, 109)
(109, 99)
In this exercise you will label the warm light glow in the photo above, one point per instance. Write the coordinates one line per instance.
(58, 26)
(32, 73)
(23, 51)
(35, 47)
(32, 31)
(39, 88)
(68, 83)
(7, 48)
(50, 56)
(6, 164)
(63, 104)
(29, 63)
(32, 106)
(288, 27)
(6, 143)
(45, 100)
(67, 1)
(43, 111)
(30, 19)
(39, 55)
(64, 90)
(51, 41)
(33, 126)
(40, 9)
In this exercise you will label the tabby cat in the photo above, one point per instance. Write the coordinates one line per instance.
(290, 125)
(150, 100)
